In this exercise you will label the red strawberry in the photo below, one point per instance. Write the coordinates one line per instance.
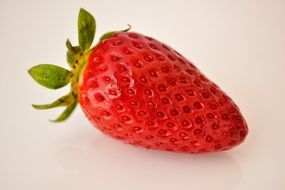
(141, 91)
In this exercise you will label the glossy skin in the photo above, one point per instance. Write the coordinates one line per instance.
(141, 91)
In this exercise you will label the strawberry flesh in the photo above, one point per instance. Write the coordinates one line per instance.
(141, 91)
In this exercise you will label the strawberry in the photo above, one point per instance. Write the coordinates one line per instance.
(141, 91)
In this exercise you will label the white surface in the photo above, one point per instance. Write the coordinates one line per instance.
(238, 44)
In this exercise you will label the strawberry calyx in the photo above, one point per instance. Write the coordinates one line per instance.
(110, 34)
(55, 77)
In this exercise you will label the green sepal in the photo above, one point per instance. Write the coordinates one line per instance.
(72, 49)
(50, 76)
(72, 53)
(86, 29)
(66, 113)
(110, 34)
(70, 58)
(63, 101)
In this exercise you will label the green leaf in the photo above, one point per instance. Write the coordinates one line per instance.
(50, 76)
(110, 34)
(59, 102)
(86, 29)
(66, 113)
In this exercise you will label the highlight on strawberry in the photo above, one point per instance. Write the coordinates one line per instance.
(141, 91)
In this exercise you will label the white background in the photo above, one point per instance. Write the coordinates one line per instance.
(239, 44)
